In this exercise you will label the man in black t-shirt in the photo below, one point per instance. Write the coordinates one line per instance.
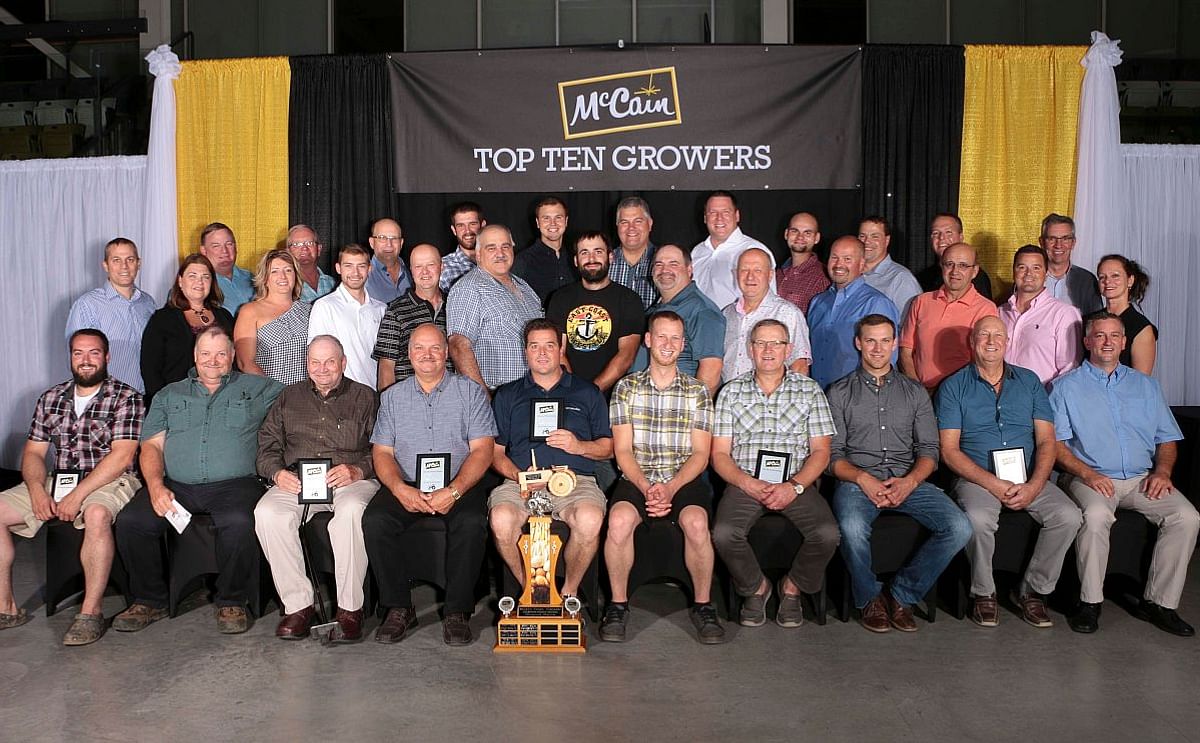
(602, 321)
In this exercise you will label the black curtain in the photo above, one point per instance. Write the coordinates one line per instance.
(339, 141)
(912, 140)
(340, 177)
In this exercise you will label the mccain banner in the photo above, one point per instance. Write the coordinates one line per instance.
(646, 118)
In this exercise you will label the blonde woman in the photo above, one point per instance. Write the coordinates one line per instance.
(270, 337)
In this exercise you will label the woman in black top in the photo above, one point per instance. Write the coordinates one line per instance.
(193, 305)
(1123, 284)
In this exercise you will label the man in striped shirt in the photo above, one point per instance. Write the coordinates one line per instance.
(662, 428)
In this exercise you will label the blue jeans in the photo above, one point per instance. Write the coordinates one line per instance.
(931, 508)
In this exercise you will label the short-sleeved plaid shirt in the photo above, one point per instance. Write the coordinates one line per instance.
(662, 420)
(782, 422)
(80, 442)
(492, 318)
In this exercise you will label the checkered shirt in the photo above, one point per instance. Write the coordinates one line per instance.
(454, 266)
(782, 422)
(636, 277)
(662, 420)
(80, 442)
(492, 318)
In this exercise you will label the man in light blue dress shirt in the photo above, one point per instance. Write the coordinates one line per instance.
(120, 310)
(1116, 442)
(388, 279)
(218, 245)
(305, 247)
(883, 273)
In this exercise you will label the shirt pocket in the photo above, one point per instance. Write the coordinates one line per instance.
(237, 414)
(100, 435)
(178, 415)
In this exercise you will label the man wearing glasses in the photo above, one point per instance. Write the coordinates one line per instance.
(945, 230)
(304, 245)
(1068, 283)
(935, 341)
(388, 279)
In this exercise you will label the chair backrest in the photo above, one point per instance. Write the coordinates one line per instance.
(55, 112)
(1140, 93)
(1183, 93)
(16, 113)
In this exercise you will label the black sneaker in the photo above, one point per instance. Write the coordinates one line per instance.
(612, 626)
(708, 628)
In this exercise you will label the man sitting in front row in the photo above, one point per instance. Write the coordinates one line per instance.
(583, 439)
(662, 430)
(885, 447)
(110, 412)
(1116, 439)
(997, 435)
(772, 414)
(198, 446)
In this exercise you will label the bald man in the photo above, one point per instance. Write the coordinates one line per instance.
(388, 279)
(423, 303)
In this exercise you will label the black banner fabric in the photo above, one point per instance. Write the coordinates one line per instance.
(656, 117)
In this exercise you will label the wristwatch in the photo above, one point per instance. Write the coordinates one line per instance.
(798, 487)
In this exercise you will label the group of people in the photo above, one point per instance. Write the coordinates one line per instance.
(671, 376)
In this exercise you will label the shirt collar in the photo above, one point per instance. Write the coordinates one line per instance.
(110, 292)
(869, 379)
(1100, 375)
(968, 297)
(851, 288)
(337, 391)
(194, 378)
(883, 266)
(566, 381)
(974, 372)
(734, 238)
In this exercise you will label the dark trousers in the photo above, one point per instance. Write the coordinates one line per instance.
(230, 503)
(384, 523)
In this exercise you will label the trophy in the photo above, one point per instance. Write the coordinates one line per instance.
(541, 621)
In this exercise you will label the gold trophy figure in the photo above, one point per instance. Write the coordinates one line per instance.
(543, 622)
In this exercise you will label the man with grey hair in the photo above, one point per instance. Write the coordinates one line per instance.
(631, 262)
(487, 311)
(304, 245)
(759, 301)
(1067, 282)
(326, 416)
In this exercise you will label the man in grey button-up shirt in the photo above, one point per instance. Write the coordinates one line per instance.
(885, 447)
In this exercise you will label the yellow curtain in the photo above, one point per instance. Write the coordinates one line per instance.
(1020, 116)
(231, 147)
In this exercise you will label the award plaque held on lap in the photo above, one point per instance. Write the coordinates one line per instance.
(541, 622)
(313, 488)
(1009, 464)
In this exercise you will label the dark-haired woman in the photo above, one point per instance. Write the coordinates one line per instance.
(193, 305)
(1123, 284)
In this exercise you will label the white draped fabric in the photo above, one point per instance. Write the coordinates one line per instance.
(1162, 233)
(1099, 195)
(55, 217)
(159, 231)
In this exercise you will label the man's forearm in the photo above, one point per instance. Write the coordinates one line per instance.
(1164, 458)
(922, 469)
(33, 471)
(153, 465)
(109, 468)
(464, 359)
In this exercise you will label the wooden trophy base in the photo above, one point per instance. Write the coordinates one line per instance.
(548, 630)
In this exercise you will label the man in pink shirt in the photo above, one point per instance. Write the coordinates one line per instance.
(935, 341)
(1044, 334)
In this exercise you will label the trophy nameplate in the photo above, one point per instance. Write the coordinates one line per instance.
(541, 621)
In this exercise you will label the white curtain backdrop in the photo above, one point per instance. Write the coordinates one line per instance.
(1162, 232)
(159, 232)
(1099, 192)
(55, 217)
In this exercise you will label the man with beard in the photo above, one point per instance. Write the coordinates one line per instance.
(466, 220)
(351, 313)
(804, 277)
(94, 422)
(602, 321)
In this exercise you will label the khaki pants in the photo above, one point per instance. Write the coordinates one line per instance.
(277, 524)
(1177, 523)
(112, 497)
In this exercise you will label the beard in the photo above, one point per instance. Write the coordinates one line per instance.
(594, 275)
(90, 380)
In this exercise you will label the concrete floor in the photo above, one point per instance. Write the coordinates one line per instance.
(181, 681)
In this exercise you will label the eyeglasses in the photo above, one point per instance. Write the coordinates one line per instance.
(767, 345)
(386, 238)
(305, 244)
(951, 265)
(1059, 240)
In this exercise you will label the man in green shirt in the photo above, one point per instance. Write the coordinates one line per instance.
(199, 442)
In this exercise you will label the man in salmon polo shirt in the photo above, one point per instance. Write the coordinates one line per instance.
(935, 341)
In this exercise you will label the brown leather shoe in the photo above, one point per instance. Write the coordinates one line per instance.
(295, 626)
(984, 611)
(456, 630)
(875, 616)
(1033, 610)
(137, 617)
(899, 615)
(232, 620)
(350, 627)
(396, 625)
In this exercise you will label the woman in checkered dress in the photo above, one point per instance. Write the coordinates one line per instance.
(271, 334)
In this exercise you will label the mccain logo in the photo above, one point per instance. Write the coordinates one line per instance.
(619, 103)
